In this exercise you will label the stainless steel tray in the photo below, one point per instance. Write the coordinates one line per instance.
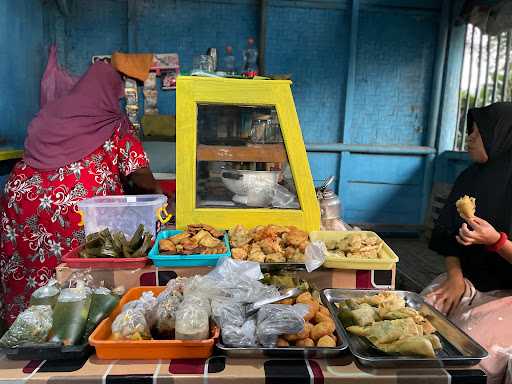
(253, 352)
(458, 348)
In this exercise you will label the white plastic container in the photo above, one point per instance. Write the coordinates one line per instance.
(121, 213)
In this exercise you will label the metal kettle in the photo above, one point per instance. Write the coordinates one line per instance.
(330, 204)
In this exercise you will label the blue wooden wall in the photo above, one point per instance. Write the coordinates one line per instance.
(379, 66)
(22, 63)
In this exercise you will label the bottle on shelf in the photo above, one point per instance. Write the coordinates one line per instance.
(229, 62)
(250, 68)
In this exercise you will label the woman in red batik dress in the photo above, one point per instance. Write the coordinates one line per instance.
(78, 146)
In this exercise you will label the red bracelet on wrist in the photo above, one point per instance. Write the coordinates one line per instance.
(499, 244)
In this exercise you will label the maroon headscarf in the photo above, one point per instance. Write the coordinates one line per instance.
(73, 126)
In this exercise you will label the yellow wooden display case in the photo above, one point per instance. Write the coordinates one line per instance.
(194, 93)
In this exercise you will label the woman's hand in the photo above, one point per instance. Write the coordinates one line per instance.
(447, 296)
(481, 233)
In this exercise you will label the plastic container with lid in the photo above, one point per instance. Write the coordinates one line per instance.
(122, 213)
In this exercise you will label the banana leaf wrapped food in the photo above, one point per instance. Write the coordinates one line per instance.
(31, 326)
(70, 315)
(103, 302)
(105, 244)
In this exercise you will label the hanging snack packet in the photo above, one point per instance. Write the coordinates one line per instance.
(31, 326)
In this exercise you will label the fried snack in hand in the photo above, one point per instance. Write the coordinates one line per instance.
(466, 206)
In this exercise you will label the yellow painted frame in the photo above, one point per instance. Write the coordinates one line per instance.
(193, 90)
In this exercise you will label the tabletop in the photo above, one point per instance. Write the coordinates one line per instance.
(220, 369)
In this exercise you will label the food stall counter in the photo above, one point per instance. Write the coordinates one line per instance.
(220, 369)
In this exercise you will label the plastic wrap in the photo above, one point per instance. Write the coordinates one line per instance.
(166, 311)
(192, 322)
(103, 303)
(278, 319)
(228, 312)
(240, 336)
(70, 315)
(47, 294)
(146, 304)
(131, 324)
(314, 256)
(31, 326)
(283, 198)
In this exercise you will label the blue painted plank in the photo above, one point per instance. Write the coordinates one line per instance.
(386, 169)
(393, 78)
(21, 60)
(312, 45)
(324, 165)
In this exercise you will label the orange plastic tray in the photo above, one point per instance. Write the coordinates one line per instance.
(146, 349)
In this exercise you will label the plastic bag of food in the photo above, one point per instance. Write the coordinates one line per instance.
(70, 314)
(314, 256)
(192, 322)
(174, 286)
(31, 326)
(239, 337)
(146, 304)
(131, 324)
(166, 314)
(228, 312)
(103, 303)
(47, 294)
(278, 319)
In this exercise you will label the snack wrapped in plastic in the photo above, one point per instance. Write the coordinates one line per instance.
(131, 324)
(31, 326)
(70, 314)
(192, 322)
(279, 319)
(244, 336)
(147, 305)
(174, 286)
(47, 294)
(166, 315)
(228, 312)
(103, 303)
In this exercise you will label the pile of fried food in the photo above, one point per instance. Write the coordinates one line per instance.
(389, 325)
(105, 244)
(319, 327)
(357, 246)
(268, 244)
(466, 207)
(198, 239)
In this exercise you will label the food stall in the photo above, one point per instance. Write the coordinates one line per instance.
(257, 292)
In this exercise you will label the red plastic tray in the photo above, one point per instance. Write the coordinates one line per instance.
(73, 260)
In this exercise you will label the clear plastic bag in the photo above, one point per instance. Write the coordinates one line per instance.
(278, 319)
(314, 256)
(283, 198)
(239, 337)
(228, 312)
(147, 305)
(31, 326)
(166, 314)
(47, 294)
(192, 323)
(131, 324)
(70, 314)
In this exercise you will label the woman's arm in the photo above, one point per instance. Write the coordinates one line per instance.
(483, 233)
(142, 181)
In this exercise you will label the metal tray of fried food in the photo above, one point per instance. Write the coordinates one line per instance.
(313, 352)
(459, 349)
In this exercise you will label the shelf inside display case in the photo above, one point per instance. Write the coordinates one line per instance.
(259, 153)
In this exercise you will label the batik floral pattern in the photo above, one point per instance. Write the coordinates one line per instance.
(39, 217)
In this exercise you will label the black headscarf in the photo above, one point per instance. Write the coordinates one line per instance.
(491, 184)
